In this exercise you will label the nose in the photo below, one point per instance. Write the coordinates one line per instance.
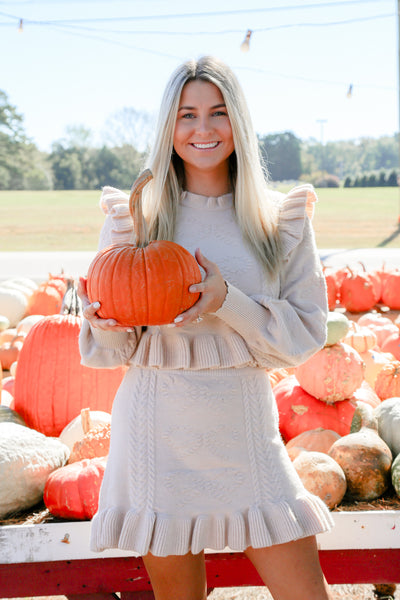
(203, 125)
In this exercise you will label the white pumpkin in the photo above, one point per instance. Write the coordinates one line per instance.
(76, 429)
(13, 304)
(17, 286)
(4, 323)
(24, 281)
(388, 417)
(26, 324)
(6, 398)
(27, 458)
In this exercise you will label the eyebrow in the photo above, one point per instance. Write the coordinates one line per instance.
(222, 105)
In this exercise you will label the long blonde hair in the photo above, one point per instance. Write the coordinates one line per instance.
(256, 213)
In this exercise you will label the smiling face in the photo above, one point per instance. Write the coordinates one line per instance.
(203, 134)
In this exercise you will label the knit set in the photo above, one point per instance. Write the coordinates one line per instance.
(196, 458)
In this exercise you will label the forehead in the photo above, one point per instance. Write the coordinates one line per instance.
(200, 92)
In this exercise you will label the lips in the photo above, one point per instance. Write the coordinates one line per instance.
(207, 146)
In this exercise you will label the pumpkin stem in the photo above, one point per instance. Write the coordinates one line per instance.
(85, 420)
(135, 207)
(71, 303)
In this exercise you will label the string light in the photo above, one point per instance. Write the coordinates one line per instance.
(245, 45)
(350, 91)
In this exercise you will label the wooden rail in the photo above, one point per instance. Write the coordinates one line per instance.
(53, 559)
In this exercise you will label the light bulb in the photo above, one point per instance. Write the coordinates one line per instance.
(245, 45)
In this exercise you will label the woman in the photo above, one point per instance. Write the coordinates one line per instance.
(196, 460)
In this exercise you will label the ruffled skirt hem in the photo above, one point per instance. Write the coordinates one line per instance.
(141, 531)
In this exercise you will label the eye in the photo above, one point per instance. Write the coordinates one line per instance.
(188, 116)
(220, 113)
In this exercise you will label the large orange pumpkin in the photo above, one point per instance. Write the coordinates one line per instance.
(51, 385)
(299, 411)
(146, 283)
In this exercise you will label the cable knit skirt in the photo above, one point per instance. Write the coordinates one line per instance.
(196, 461)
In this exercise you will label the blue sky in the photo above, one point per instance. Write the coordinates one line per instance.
(77, 62)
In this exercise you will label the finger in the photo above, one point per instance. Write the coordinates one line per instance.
(198, 288)
(203, 261)
(90, 310)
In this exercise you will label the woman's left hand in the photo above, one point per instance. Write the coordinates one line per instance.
(212, 292)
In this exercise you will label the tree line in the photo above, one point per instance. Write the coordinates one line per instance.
(74, 162)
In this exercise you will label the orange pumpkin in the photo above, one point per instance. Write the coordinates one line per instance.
(299, 411)
(45, 300)
(72, 491)
(391, 291)
(392, 345)
(387, 384)
(332, 374)
(96, 442)
(146, 283)
(358, 292)
(331, 288)
(312, 440)
(51, 385)
(360, 338)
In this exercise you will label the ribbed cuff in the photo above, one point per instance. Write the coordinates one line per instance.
(241, 312)
(110, 339)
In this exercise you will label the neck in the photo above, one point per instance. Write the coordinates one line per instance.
(213, 184)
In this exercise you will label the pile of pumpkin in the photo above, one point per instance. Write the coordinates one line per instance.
(339, 411)
(51, 446)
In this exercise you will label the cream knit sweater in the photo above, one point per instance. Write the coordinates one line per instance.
(263, 322)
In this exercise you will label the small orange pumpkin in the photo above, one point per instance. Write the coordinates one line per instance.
(313, 440)
(387, 384)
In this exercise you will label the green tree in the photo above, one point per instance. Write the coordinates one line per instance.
(14, 157)
(281, 153)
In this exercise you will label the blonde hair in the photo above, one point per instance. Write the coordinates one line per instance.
(256, 213)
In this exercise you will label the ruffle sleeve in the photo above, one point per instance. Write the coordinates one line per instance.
(285, 331)
(118, 224)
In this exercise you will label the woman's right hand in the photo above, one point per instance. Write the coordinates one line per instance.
(90, 311)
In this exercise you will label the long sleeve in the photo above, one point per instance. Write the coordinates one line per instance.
(109, 349)
(288, 330)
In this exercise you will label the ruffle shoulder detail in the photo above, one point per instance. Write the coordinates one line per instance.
(294, 208)
(118, 225)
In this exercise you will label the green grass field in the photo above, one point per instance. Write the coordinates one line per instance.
(71, 220)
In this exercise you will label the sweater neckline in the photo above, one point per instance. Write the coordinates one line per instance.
(209, 202)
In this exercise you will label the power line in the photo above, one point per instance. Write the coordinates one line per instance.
(220, 32)
(201, 14)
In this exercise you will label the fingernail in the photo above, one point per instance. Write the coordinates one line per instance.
(130, 330)
(178, 319)
(171, 325)
(192, 288)
(112, 322)
(96, 305)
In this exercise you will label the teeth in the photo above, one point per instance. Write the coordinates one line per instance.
(210, 145)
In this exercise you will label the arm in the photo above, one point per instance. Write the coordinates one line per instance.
(104, 343)
(285, 331)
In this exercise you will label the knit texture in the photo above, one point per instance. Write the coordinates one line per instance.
(196, 459)
(263, 322)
